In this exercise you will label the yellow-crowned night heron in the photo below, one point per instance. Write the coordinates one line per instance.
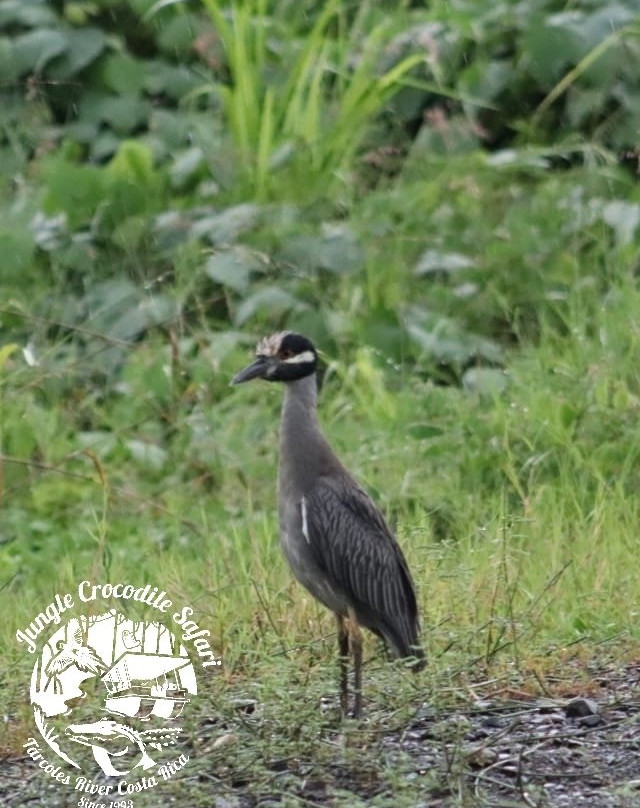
(336, 540)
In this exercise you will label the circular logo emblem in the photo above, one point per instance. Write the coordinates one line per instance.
(109, 693)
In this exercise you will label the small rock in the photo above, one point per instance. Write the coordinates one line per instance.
(425, 713)
(449, 728)
(328, 703)
(278, 765)
(590, 720)
(481, 756)
(224, 740)
(224, 802)
(494, 722)
(246, 706)
(579, 708)
(546, 705)
(483, 705)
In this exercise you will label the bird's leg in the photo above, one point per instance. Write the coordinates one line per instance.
(355, 645)
(343, 651)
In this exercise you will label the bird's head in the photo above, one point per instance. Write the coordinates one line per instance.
(281, 357)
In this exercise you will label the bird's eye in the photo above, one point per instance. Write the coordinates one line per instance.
(287, 353)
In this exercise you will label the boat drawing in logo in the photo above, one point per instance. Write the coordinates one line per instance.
(132, 692)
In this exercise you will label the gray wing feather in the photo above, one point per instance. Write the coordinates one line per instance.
(353, 544)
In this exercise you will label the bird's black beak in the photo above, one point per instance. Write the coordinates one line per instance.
(256, 370)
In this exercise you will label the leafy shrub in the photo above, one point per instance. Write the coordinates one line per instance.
(339, 169)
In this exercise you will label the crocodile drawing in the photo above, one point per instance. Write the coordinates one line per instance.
(105, 737)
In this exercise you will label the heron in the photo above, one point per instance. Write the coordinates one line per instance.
(335, 538)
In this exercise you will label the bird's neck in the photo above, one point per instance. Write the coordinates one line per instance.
(304, 451)
(300, 402)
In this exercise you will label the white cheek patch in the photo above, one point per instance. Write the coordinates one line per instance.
(298, 359)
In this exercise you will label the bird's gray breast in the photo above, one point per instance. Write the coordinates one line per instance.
(297, 537)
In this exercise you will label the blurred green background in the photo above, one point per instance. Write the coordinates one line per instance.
(443, 195)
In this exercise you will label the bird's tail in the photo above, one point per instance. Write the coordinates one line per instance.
(416, 659)
(408, 647)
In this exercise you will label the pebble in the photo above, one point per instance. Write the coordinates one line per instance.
(578, 708)
(591, 720)
(494, 722)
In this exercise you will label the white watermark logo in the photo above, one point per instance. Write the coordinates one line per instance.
(112, 686)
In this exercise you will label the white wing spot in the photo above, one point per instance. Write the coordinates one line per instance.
(305, 526)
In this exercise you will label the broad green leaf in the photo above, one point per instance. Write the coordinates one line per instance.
(104, 145)
(233, 267)
(134, 184)
(35, 49)
(446, 340)
(82, 131)
(17, 247)
(336, 249)
(268, 303)
(594, 27)
(552, 44)
(485, 381)
(122, 74)
(8, 66)
(129, 233)
(123, 113)
(176, 36)
(623, 218)
(19, 435)
(141, 7)
(76, 190)
(171, 126)
(148, 454)
(121, 310)
(134, 162)
(485, 81)
(6, 351)
(174, 81)
(84, 47)
(434, 261)
(186, 166)
(98, 440)
(30, 13)
(226, 227)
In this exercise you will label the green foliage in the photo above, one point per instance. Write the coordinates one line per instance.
(445, 198)
(304, 102)
(89, 64)
(539, 67)
(126, 186)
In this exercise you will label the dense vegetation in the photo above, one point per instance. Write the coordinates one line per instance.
(443, 195)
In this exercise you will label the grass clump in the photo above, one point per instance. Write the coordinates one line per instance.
(313, 103)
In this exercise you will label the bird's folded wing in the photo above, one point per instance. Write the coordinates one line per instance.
(353, 544)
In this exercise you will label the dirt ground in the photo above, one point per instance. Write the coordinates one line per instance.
(500, 752)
